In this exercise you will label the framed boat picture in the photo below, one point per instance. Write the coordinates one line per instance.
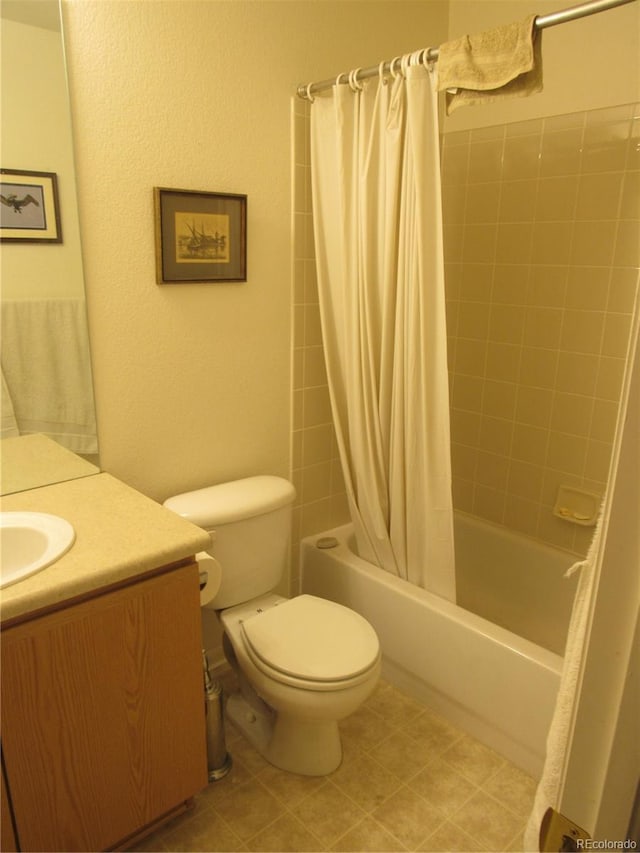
(201, 237)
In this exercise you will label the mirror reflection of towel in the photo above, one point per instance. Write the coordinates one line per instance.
(47, 367)
(9, 428)
(498, 63)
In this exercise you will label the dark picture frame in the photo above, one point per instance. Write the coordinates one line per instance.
(201, 237)
(30, 210)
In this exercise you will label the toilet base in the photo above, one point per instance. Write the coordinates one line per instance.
(298, 746)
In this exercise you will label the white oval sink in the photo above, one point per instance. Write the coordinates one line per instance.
(30, 541)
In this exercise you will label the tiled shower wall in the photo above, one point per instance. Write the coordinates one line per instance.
(542, 221)
(541, 248)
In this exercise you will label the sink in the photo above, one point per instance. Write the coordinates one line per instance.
(30, 541)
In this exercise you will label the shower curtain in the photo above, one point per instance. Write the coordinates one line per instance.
(378, 238)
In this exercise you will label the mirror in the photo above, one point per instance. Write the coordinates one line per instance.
(46, 372)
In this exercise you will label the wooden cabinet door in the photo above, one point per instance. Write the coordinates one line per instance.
(103, 727)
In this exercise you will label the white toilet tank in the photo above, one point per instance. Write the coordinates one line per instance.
(250, 524)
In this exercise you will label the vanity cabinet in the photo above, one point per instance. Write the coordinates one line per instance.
(103, 727)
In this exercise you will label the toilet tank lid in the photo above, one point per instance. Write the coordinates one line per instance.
(234, 501)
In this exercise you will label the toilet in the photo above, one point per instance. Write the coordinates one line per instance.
(303, 663)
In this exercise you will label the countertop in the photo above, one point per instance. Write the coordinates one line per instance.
(120, 533)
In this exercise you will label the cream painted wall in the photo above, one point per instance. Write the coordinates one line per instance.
(193, 382)
(590, 63)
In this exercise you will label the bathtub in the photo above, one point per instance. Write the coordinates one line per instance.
(496, 684)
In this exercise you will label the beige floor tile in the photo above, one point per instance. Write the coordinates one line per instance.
(365, 781)
(365, 728)
(408, 817)
(473, 760)
(285, 835)
(368, 836)
(488, 821)
(449, 838)
(249, 808)
(289, 788)
(329, 812)
(206, 831)
(514, 788)
(443, 786)
(432, 732)
(396, 708)
(402, 755)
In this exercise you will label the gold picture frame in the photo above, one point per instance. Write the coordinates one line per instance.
(201, 237)
(29, 209)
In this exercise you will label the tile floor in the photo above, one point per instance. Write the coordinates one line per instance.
(409, 780)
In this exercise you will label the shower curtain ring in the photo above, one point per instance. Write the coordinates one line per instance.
(307, 93)
(392, 69)
(353, 80)
(383, 79)
(338, 80)
(426, 59)
(404, 64)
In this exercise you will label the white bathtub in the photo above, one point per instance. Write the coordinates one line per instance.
(493, 683)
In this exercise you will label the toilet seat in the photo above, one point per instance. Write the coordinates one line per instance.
(310, 642)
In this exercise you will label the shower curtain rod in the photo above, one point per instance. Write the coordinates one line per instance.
(431, 53)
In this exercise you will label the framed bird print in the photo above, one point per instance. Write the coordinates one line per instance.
(201, 237)
(29, 212)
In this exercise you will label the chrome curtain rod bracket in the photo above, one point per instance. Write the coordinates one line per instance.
(562, 16)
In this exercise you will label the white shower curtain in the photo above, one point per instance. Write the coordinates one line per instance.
(378, 236)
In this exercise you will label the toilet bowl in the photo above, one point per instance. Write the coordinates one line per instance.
(312, 662)
(303, 663)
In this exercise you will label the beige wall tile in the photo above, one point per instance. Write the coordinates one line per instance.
(503, 361)
(476, 282)
(499, 399)
(455, 164)
(479, 243)
(623, 289)
(518, 201)
(534, 406)
(482, 201)
(556, 198)
(599, 196)
(510, 284)
(543, 327)
(582, 331)
(538, 367)
(571, 413)
(577, 373)
(605, 146)
(521, 157)
(615, 340)
(485, 161)
(593, 243)
(598, 460)
(513, 245)
(496, 434)
(630, 204)
(552, 242)
(560, 152)
(627, 246)
(547, 285)
(588, 288)
(507, 324)
(567, 453)
(530, 444)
